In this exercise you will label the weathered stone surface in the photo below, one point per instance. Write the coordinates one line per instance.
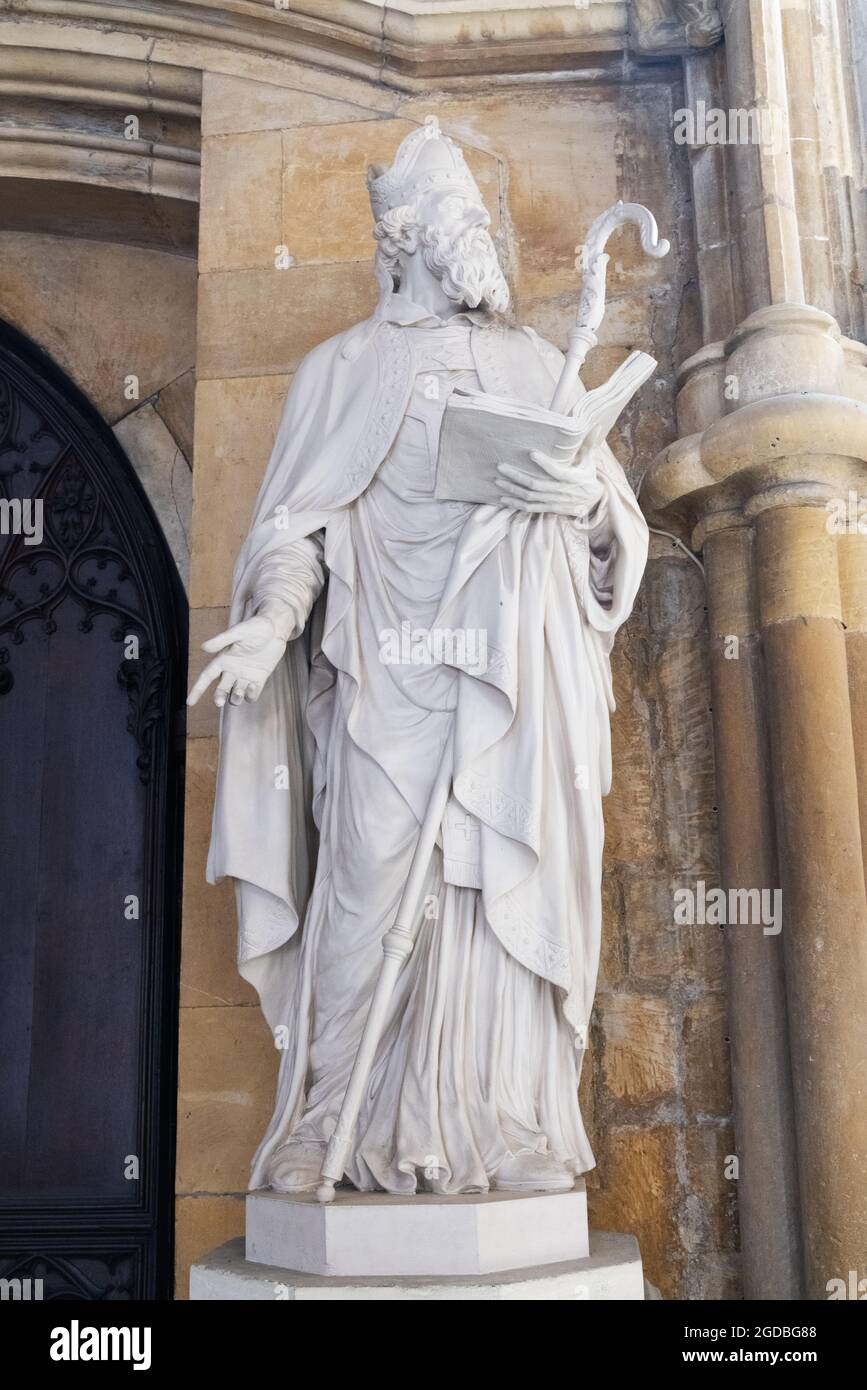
(649, 426)
(712, 1277)
(731, 597)
(825, 929)
(683, 685)
(631, 827)
(151, 220)
(707, 1085)
(639, 1185)
(82, 303)
(613, 960)
(254, 322)
(237, 423)
(712, 1178)
(227, 1069)
(675, 591)
(660, 950)
(685, 755)
(639, 1056)
(164, 474)
(240, 201)
(856, 666)
(767, 1189)
(200, 1223)
(852, 567)
(232, 104)
(630, 326)
(701, 398)
(176, 404)
(796, 558)
(653, 943)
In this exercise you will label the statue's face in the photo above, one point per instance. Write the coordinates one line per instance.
(452, 235)
(453, 213)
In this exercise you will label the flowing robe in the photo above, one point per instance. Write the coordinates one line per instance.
(482, 1051)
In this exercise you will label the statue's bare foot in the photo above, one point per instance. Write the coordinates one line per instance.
(532, 1172)
(296, 1168)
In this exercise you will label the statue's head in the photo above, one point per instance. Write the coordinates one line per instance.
(428, 204)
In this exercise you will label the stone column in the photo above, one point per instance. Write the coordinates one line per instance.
(821, 870)
(762, 1091)
(766, 483)
(765, 220)
(852, 562)
(773, 429)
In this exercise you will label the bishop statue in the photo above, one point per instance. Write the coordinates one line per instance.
(376, 629)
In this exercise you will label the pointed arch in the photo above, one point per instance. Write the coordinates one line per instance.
(92, 675)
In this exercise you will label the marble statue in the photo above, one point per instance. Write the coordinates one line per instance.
(373, 626)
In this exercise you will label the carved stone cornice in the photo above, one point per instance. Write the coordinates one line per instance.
(101, 119)
(404, 44)
(129, 84)
(138, 166)
(74, 73)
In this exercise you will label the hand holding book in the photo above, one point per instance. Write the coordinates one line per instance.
(567, 486)
(500, 451)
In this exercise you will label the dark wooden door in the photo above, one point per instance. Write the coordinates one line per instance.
(92, 667)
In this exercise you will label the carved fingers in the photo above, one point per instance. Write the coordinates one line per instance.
(246, 656)
(249, 636)
(561, 489)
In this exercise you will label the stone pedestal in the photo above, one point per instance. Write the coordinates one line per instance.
(612, 1271)
(372, 1234)
(377, 1246)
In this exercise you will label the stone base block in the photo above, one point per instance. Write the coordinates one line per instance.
(611, 1271)
(374, 1233)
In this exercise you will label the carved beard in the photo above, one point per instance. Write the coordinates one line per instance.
(466, 266)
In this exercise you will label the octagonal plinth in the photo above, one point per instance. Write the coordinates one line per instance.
(374, 1234)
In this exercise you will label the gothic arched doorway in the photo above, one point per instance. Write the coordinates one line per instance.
(92, 670)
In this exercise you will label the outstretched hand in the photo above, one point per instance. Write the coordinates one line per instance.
(248, 653)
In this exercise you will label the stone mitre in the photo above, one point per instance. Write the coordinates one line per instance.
(427, 159)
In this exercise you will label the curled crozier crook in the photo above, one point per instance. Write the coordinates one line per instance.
(592, 261)
(616, 216)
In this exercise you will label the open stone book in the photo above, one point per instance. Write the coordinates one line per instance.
(480, 431)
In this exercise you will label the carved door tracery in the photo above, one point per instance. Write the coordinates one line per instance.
(92, 666)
